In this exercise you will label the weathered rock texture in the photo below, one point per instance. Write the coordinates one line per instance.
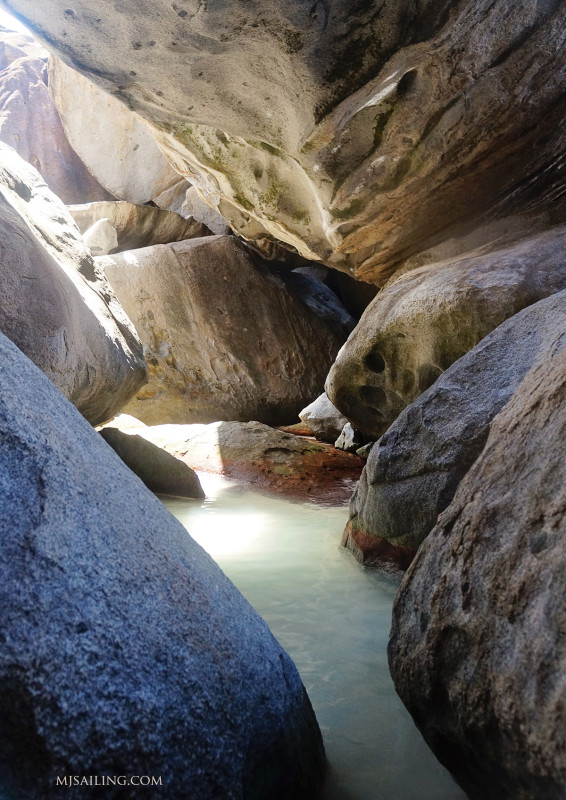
(323, 419)
(257, 455)
(477, 649)
(125, 650)
(113, 142)
(428, 318)
(30, 123)
(358, 133)
(138, 226)
(160, 471)
(224, 337)
(55, 304)
(414, 470)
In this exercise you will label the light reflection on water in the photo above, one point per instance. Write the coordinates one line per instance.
(333, 618)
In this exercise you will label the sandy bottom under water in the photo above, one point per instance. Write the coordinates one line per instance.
(333, 618)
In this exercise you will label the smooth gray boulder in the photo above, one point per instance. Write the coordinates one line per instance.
(56, 304)
(225, 338)
(414, 470)
(137, 226)
(477, 648)
(160, 471)
(125, 650)
(359, 134)
(430, 317)
(323, 419)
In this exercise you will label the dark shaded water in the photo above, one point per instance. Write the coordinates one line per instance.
(333, 617)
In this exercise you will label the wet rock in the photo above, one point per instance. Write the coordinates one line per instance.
(113, 143)
(259, 456)
(477, 649)
(357, 136)
(323, 419)
(138, 226)
(428, 318)
(126, 651)
(414, 469)
(56, 305)
(30, 123)
(160, 471)
(225, 338)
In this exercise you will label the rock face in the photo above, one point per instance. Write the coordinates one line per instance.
(359, 135)
(55, 305)
(224, 337)
(114, 144)
(428, 318)
(323, 419)
(160, 471)
(138, 226)
(414, 469)
(126, 651)
(30, 123)
(257, 455)
(477, 649)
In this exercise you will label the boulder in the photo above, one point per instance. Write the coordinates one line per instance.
(356, 134)
(30, 123)
(137, 226)
(101, 238)
(225, 339)
(350, 439)
(112, 142)
(414, 469)
(194, 206)
(428, 318)
(477, 648)
(258, 456)
(17, 44)
(56, 305)
(125, 650)
(323, 419)
(172, 199)
(160, 471)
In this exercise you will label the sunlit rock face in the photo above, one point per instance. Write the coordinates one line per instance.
(56, 305)
(359, 133)
(30, 122)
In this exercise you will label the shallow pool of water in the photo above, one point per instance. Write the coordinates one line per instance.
(333, 618)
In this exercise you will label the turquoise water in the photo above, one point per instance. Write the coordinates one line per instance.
(333, 618)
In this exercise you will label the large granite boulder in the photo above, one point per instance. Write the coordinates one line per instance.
(30, 123)
(477, 649)
(414, 470)
(138, 226)
(159, 470)
(113, 142)
(125, 650)
(357, 133)
(55, 304)
(256, 455)
(323, 419)
(225, 339)
(431, 316)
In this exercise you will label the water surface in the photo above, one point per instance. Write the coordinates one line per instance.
(333, 618)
